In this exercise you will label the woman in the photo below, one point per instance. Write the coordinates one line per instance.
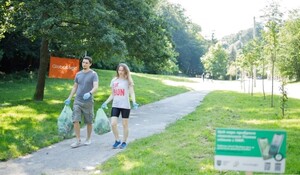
(122, 88)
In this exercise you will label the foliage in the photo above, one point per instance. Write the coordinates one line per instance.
(289, 50)
(215, 62)
(148, 43)
(19, 53)
(6, 13)
(189, 44)
(72, 27)
(273, 18)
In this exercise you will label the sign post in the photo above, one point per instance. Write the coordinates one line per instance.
(250, 150)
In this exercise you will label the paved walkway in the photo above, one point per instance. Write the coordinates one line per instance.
(61, 159)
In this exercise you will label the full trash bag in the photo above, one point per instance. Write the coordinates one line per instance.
(65, 123)
(101, 124)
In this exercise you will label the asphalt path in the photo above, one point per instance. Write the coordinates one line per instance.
(61, 159)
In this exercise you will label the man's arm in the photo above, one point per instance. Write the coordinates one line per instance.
(95, 87)
(73, 91)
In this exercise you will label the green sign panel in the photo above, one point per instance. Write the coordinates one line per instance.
(250, 150)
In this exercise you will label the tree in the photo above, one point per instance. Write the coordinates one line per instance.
(289, 50)
(215, 62)
(148, 44)
(19, 53)
(251, 53)
(273, 18)
(189, 44)
(75, 26)
(232, 68)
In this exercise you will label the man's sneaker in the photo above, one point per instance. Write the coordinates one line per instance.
(87, 142)
(123, 145)
(76, 144)
(117, 143)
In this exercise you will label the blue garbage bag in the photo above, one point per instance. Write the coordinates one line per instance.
(65, 122)
(101, 124)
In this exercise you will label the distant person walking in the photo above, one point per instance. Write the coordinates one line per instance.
(85, 85)
(121, 89)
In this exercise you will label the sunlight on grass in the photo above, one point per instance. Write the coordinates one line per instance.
(173, 83)
(5, 104)
(291, 123)
(206, 167)
(55, 101)
(127, 164)
(151, 92)
(17, 111)
(13, 149)
(147, 76)
(130, 164)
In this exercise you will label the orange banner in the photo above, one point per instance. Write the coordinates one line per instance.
(63, 67)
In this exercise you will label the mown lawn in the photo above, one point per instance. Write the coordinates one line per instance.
(187, 146)
(27, 125)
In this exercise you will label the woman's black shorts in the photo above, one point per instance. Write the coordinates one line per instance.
(115, 112)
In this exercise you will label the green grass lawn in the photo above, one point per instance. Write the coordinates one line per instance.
(26, 125)
(187, 146)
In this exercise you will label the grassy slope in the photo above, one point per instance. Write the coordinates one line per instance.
(187, 146)
(26, 125)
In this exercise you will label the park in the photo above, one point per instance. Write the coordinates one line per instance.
(185, 119)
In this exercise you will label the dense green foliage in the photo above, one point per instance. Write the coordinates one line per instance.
(136, 32)
(215, 62)
(189, 44)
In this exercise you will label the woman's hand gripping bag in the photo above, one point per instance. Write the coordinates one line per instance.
(65, 123)
(101, 124)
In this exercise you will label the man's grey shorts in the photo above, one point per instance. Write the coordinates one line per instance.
(83, 109)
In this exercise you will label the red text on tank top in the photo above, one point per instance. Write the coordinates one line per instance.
(118, 92)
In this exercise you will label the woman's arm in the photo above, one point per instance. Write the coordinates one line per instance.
(132, 94)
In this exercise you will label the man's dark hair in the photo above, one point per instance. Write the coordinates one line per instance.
(88, 58)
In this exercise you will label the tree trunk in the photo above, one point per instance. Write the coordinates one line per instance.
(272, 78)
(44, 61)
(263, 73)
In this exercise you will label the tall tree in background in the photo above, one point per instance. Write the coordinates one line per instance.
(144, 32)
(289, 50)
(215, 61)
(273, 18)
(189, 44)
(250, 60)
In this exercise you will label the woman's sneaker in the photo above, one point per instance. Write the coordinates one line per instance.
(123, 145)
(117, 143)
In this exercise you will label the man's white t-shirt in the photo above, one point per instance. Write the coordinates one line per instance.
(120, 91)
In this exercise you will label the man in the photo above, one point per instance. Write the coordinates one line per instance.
(85, 85)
